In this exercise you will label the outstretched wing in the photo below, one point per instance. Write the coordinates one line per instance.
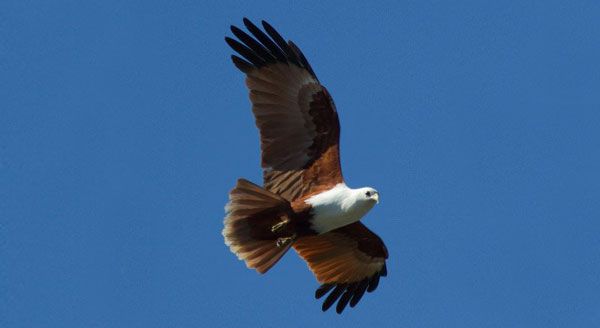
(297, 119)
(349, 260)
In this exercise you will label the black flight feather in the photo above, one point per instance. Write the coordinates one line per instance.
(383, 271)
(265, 48)
(324, 289)
(241, 64)
(246, 52)
(252, 44)
(359, 292)
(265, 40)
(303, 60)
(335, 294)
(373, 283)
(281, 43)
(341, 305)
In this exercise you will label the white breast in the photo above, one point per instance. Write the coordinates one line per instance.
(337, 207)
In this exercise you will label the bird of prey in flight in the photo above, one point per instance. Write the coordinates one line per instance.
(304, 202)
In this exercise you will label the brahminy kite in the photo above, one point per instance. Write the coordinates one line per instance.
(304, 202)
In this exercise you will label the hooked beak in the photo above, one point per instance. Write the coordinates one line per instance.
(376, 198)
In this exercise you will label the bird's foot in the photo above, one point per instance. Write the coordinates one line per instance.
(284, 241)
(280, 225)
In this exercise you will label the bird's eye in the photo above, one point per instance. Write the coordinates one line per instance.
(368, 194)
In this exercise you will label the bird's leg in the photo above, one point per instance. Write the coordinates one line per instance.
(280, 225)
(284, 241)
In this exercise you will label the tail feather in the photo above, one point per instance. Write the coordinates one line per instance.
(250, 214)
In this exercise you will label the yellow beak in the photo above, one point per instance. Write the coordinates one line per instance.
(376, 198)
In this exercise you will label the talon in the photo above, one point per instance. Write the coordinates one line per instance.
(284, 241)
(280, 225)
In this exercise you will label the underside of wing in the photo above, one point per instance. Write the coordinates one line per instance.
(347, 262)
(296, 116)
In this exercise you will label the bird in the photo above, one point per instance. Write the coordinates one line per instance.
(304, 202)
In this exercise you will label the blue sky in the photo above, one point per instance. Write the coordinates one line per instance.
(124, 124)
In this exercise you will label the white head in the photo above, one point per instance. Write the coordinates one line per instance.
(368, 195)
(341, 206)
(363, 201)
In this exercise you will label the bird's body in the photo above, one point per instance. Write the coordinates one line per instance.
(339, 206)
(304, 203)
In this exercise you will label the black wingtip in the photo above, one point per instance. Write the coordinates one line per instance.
(335, 294)
(264, 47)
(268, 27)
(265, 40)
(241, 64)
(280, 41)
(246, 52)
(359, 292)
(347, 293)
(341, 305)
(230, 41)
(324, 289)
(383, 271)
(373, 283)
(234, 29)
(302, 58)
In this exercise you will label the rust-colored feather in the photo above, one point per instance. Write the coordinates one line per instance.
(294, 113)
(299, 139)
(351, 257)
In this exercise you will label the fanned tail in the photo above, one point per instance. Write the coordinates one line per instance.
(255, 223)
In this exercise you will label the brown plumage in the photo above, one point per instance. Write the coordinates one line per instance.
(251, 212)
(299, 141)
(351, 257)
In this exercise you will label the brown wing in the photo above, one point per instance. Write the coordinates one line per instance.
(297, 119)
(350, 260)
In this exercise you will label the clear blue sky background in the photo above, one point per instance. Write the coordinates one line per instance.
(124, 124)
